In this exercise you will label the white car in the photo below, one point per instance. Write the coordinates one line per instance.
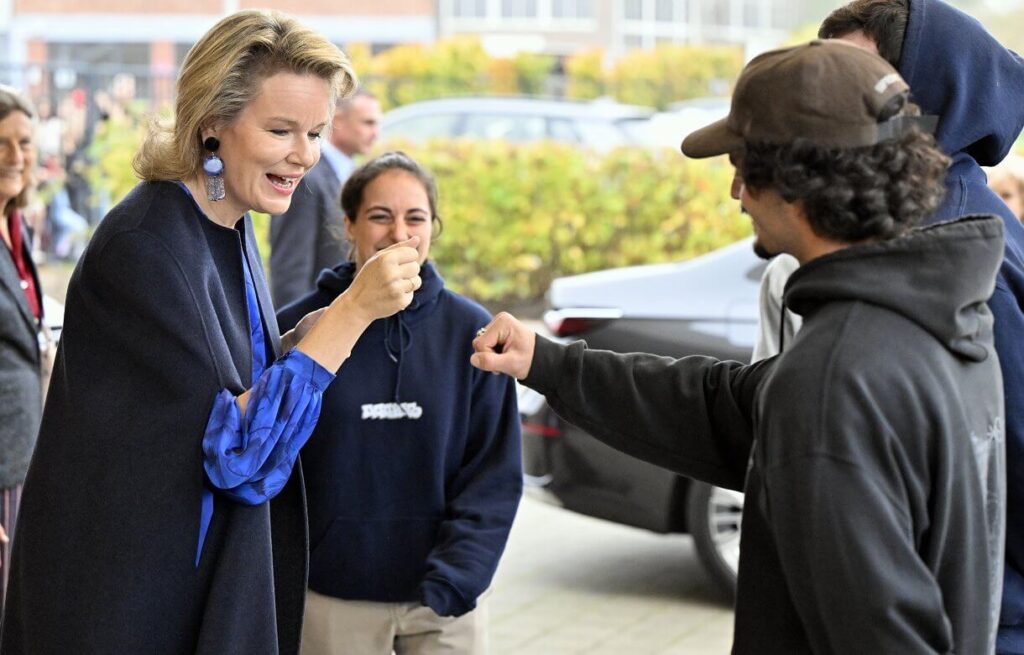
(598, 124)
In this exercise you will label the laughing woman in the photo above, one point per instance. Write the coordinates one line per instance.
(414, 471)
(163, 511)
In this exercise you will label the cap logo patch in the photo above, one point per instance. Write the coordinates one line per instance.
(886, 82)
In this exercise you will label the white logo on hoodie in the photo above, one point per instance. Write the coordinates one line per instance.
(391, 411)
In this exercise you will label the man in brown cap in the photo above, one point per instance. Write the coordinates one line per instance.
(864, 528)
(976, 88)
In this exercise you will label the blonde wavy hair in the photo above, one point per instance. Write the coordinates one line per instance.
(10, 102)
(221, 75)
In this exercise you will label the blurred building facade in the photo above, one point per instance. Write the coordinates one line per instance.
(138, 44)
(151, 37)
(562, 27)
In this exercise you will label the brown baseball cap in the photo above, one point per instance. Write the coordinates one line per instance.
(828, 92)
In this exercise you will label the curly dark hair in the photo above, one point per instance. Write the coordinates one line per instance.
(352, 193)
(853, 194)
(885, 21)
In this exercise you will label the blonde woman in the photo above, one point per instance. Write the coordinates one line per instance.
(163, 510)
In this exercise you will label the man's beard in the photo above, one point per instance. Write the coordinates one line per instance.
(759, 248)
(761, 251)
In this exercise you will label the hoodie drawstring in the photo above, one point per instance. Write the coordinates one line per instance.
(404, 340)
(782, 325)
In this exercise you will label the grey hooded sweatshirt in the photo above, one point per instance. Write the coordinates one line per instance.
(864, 527)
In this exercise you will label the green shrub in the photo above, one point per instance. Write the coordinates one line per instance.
(111, 151)
(585, 75)
(670, 73)
(413, 72)
(532, 71)
(460, 66)
(516, 217)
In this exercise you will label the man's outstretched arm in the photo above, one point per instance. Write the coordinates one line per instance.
(691, 415)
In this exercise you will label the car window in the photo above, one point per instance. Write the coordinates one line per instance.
(637, 130)
(504, 127)
(601, 134)
(562, 130)
(421, 128)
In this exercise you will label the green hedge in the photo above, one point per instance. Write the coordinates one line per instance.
(460, 66)
(517, 216)
(669, 73)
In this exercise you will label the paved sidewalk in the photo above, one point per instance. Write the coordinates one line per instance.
(571, 585)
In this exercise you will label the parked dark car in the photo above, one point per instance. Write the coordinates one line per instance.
(598, 124)
(705, 306)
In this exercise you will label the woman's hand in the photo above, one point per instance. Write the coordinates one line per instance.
(295, 335)
(386, 283)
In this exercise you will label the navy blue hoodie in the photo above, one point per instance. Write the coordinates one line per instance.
(959, 72)
(414, 471)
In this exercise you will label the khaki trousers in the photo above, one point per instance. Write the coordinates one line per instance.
(354, 627)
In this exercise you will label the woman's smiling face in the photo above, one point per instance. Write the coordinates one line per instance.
(17, 155)
(272, 143)
(395, 207)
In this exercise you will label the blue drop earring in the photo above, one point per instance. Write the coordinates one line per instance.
(213, 166)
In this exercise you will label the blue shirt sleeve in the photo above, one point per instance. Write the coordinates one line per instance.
(250, 457)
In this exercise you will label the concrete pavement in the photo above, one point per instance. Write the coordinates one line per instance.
(569, 584)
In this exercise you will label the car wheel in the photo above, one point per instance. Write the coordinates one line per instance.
(714, 516)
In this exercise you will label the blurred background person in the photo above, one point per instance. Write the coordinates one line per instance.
(68, 230)
(414, 473)
(79, 118)
(1006, 179)
(21, 314)
(310, 237)
(49, 131)
(160, 512)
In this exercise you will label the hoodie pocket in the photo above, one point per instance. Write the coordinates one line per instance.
(381, 560)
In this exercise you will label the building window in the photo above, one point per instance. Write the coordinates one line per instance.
(519, 8)
(633, 9)
(751, 13)
(111, 56)
(180, 50)
(782, 15)
(572, 8)
(715, 12)
(470, 8)
(665, 11)
(633, 41)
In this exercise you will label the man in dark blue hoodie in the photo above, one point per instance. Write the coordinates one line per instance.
(957, 71)
(976, 88)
